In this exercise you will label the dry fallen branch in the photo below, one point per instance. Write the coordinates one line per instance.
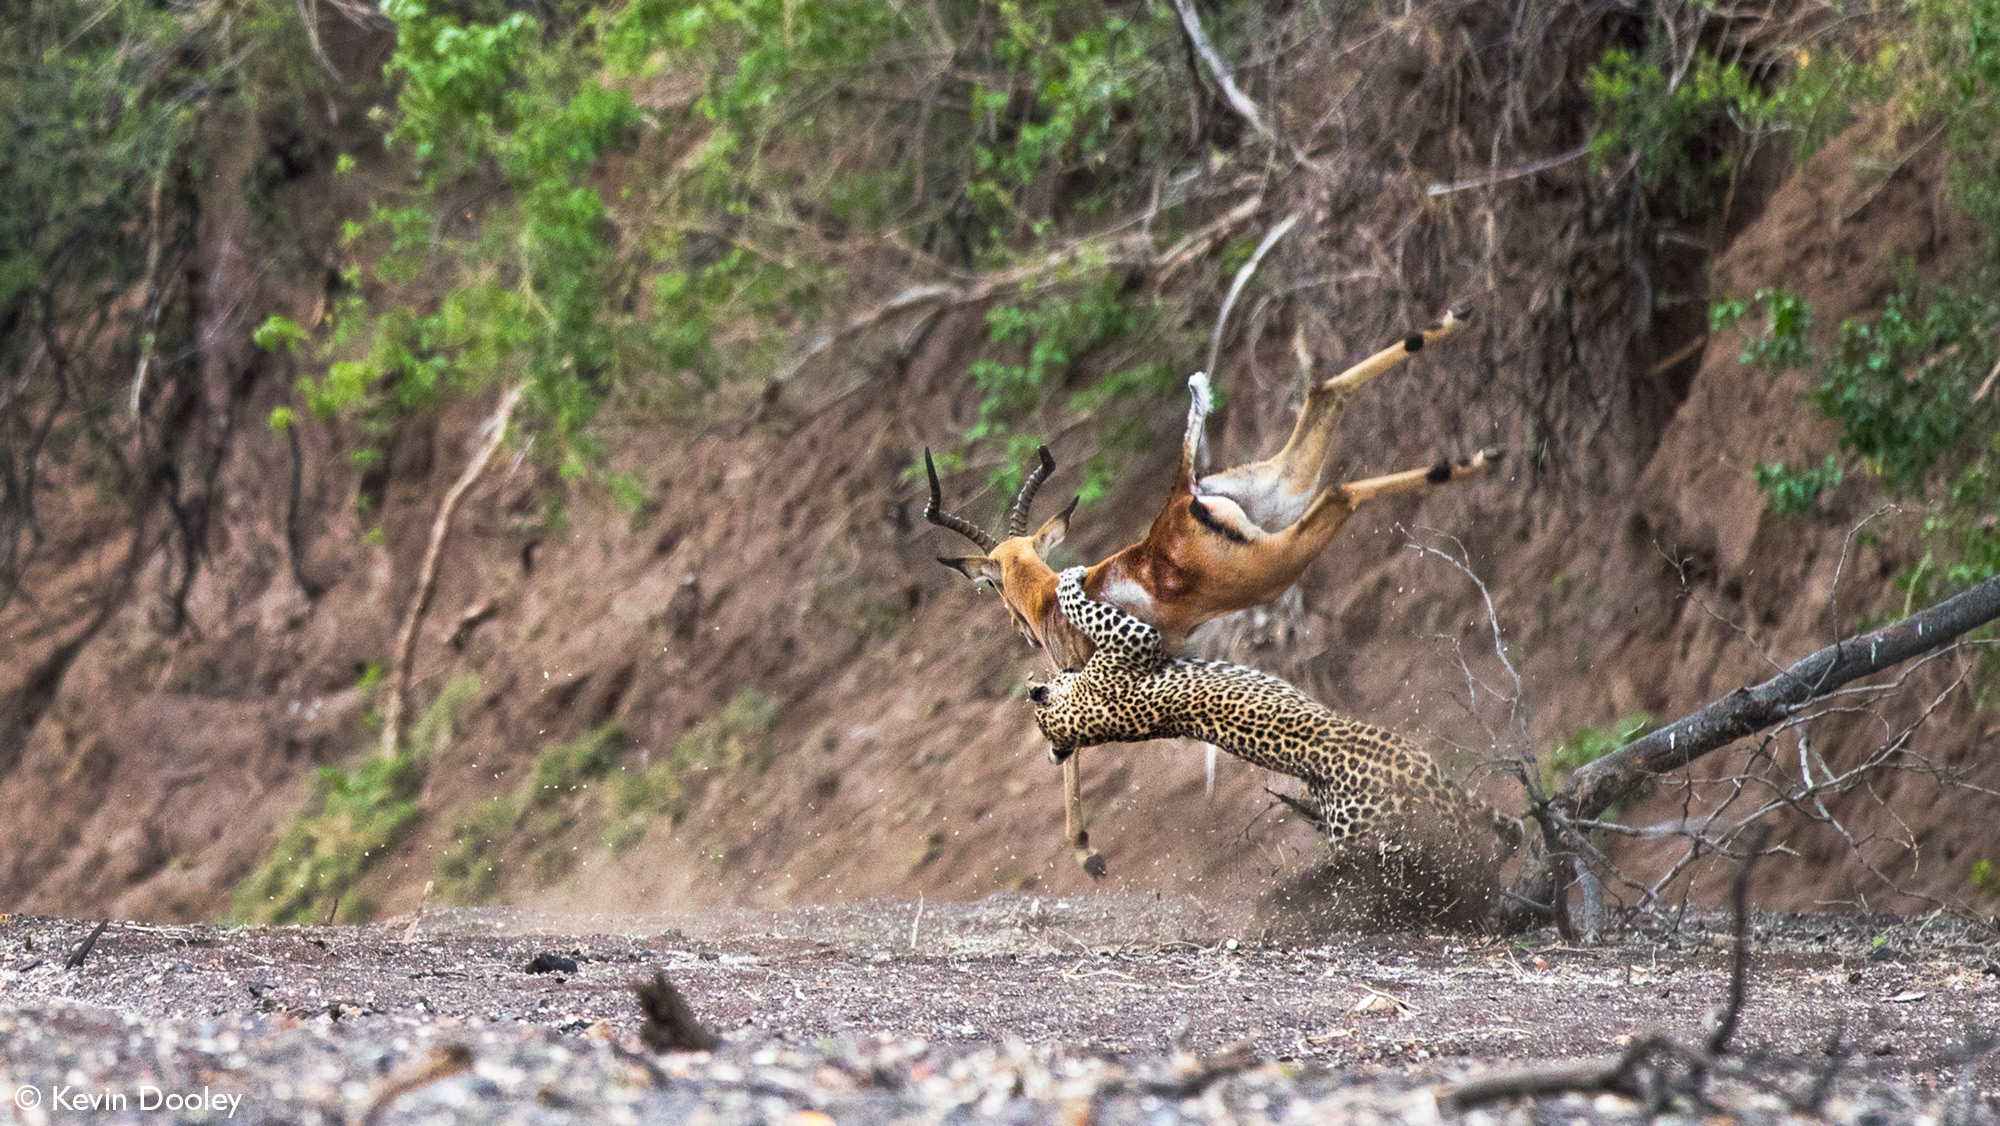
(1746, 711)
(1644, 1070)
(1242, 279)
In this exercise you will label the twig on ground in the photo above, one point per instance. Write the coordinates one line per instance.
(670, 1026)
(83, 949)
(1640, 1070)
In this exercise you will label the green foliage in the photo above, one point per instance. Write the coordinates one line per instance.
(1586, 745)
(570, 786)
(732, 739)
(1782, 342)
(702, 273)
(1955, 79)
(1790, 492)
(97, 110)
(1649, 118)
(1904, 389)
(531, 288)
(279, 333)
(1820, 97)
(1687, 127)
(119, 116)
(1982, 873)
(570, 768)
(1040, 343)
(535, 823)
(352, 817)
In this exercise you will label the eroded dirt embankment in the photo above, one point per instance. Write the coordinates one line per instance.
(783, 552)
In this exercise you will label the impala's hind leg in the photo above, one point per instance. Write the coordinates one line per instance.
(1332, 509)
(1275, 492)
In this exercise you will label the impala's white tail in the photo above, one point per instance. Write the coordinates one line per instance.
(1199, 404)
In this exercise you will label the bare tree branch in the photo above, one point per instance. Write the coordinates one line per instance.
(406, 641)
(1242, 279)
(1746, 711)
(1231, 92)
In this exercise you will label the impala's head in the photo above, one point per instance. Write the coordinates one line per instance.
(1016, 566)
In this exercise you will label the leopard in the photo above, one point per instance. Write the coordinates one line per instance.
(1365, 784)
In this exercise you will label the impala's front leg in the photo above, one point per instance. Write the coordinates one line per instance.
(1087, 858)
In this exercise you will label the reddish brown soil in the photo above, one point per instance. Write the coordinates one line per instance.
(784, 551)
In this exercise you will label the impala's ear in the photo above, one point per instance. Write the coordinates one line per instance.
(974, 567)
(1053, 531)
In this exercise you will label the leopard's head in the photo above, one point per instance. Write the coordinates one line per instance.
(1051, 716)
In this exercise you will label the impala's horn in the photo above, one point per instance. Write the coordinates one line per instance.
(1017, 516)
(935, 513)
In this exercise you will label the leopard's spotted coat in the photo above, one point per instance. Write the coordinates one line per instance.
(1363, 780)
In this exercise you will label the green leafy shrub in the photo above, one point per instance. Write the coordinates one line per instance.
(1792, 492)
(533, 824)
(1038, 345)
(1586, 745)
(1902, 387)
(538, 828)
(352, 818)
(1905, 390)
(733, 739)
(1649, 117)
(1952, 76)
(700, 275)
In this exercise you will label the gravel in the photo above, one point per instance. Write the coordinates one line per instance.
(1013, 1009)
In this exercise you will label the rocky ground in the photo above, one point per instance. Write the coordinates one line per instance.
(1017, 1008)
